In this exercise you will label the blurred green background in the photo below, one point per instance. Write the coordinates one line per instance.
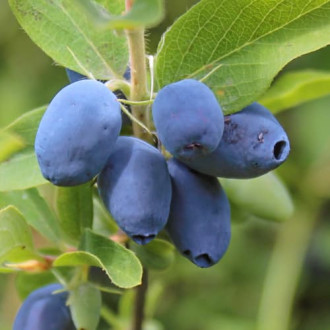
(275, 276)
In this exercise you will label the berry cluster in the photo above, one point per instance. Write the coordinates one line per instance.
(78, 139)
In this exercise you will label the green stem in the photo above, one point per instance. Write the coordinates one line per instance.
(284, 269)
(135, 102)
(139, 90)
(140, 299)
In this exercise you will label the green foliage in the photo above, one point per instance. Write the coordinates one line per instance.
(85, 305)
(265, 196)
(75, 209)
(21, 172)
(297, 87)
(237, 47)
(10, 143)
(26, 283)
(119, 263)
(25, 126)
(16, 243)
(69, 37)
(158, 254)
(35, 210)
(144, 13)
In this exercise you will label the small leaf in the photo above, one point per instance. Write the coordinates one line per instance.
(265, 196)
(75, 209)
(26, 126)
(27, 283)
(158, 254)
(16, 243)
(85, 303)
(238, 47)
(20, 172)
(71, 39)
(119, 263)
(295, 88)
(35, 210)
(144, 13)
(9, 144)
(103, 223)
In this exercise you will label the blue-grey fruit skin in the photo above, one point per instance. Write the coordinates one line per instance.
(253, 143)
(43, 310)
(77, 133)
(188, 119)
(199, 221)
(135, 186)
(74, 76)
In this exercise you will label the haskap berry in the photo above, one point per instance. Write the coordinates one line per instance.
(77, 133)
(253, 144)
(44, 309)
(188, 119)
(135, 187)
(199, 221)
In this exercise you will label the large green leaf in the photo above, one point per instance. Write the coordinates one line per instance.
(238, 46)
(71, 39)
(9, 144)
(35, 210)
(16, 244)
(85, 303)
(26, 126)
(144, 13)
(75, 209)
(294, 88)
(265, 196)
(20, 172)
(119, 263)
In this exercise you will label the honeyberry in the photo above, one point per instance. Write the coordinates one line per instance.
(135, 187)
(44, 309)
(77, 133)
(199, 221)
(253, 144)
(188, 119)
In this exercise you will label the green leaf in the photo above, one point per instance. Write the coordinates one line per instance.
(26, 126)
(16, 243)
(238, 46)
(75, 209)
(9, 144)
(85, 303)
(35, 210)
(295, 88)
(71, 39)
(158, 254)
(26, 283)
(119, 263)
(103, 223)
(265, 196)
(144, 13)
(20, 172)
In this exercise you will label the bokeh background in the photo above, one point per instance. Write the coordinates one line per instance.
(275, 276)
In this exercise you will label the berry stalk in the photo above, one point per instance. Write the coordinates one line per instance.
(139, 90)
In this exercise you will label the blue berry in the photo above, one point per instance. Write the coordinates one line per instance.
(77, 133)
(188, 119)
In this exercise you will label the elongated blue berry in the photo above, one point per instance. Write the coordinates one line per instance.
(135, 187)
(253, 144)
(77, 133)
(199, 221)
